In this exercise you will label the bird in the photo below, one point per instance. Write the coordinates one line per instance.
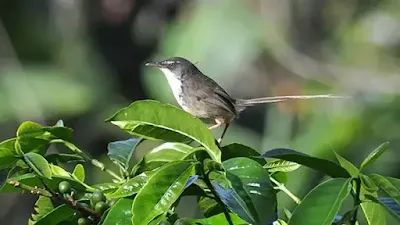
(202, 97)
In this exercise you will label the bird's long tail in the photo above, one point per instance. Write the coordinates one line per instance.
(250, 102)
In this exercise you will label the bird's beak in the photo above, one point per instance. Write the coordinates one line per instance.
(155, 64)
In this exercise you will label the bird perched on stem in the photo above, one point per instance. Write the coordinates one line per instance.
(202, 97)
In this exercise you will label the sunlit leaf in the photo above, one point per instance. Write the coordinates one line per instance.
(43, 206)
(374, 155)
(120, 213)
(217, 219)
(79, 173)
(281, 166)
(132, 186)
(161, 191)
(153, 120)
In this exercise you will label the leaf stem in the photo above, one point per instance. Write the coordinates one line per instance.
(357, 201)
(88, 158)
(283, 188)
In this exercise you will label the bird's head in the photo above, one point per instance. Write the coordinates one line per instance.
(175, 66)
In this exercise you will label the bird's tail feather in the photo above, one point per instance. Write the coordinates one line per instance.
(254, 101)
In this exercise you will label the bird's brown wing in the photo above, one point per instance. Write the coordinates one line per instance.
(223, 100)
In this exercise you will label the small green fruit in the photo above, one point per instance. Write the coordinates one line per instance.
(64, 187)
(83, 221)
(98, 196)
(100, 207)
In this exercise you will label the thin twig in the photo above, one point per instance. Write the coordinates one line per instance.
(88, 158)
(283, 188)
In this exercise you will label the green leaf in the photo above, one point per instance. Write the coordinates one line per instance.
(43, 206)
(387, 186)
(321, 204)
(57, 215)
(120, 213)
(8, 154)
(60, 158)
(374, 155)
(58, 171)
(79, 173)
(165, 153)
(325, 166)
(120, 152)
(251, 183)
(38, 163)
(32, 180)
(374, 213)
(219, 219)
(368, 184)
(348, 166)
(106, 187)
(280, 222)
(132, 186)
(281, 166)
(161, 191)
(238, 150)
(35, 137)
(153, 120)
(389, 204)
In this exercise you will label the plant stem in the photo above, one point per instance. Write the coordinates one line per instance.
(30, 189)
(88, 158)
(357, 201)
(208, 182)
(283, 188)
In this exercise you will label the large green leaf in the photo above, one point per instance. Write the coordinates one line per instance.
(374, 213)
(387, 186)
(38, 163)
(120, 152)
(348, 166)
(219, 219)
(378, 217)
(32, 180)
(281, 166)
(161, 191)
(165, 153)
(35, 137)
(132, 186)
(325, 166)
(250, 181)
(153, 120)
(8, 154)
(120, 213)
(238, 150)
(374, 155)
(321, 204)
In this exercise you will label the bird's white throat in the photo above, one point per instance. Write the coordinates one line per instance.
(174, 83)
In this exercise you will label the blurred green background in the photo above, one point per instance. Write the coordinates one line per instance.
(81, 60)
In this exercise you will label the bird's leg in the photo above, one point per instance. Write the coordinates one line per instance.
(223, 133)
(218, 123)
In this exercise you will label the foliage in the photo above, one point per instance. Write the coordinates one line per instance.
(234, 184)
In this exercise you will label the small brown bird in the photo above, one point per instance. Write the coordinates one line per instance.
(202, 97)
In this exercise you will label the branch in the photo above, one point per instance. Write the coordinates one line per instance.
(283, 188)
